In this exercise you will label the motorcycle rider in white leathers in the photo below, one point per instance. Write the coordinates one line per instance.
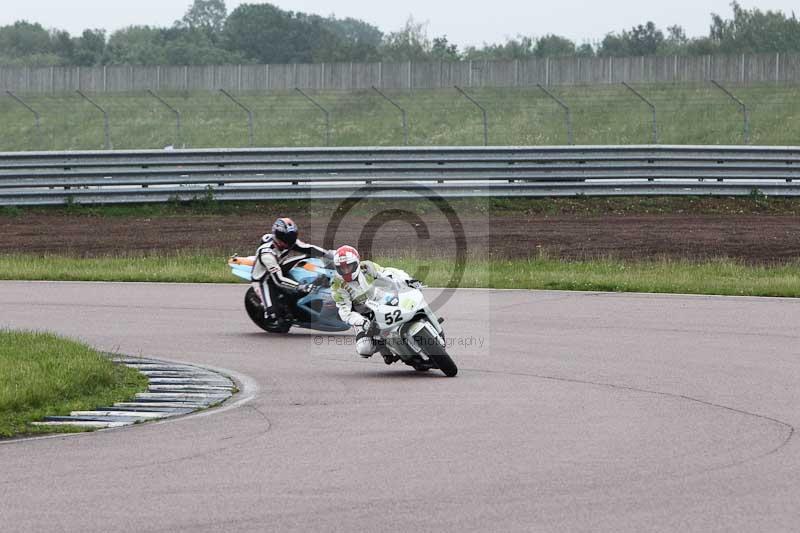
(279, 251)
(351, 287)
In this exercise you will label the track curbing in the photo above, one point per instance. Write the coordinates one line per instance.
(174, 389)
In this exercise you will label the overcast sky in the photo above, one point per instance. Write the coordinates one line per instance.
(464, 23)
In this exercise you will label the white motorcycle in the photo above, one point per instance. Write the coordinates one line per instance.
(407, 329)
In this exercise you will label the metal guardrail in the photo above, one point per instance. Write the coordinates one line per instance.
(103, 177)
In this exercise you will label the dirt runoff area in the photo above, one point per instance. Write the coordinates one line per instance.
(750, 237)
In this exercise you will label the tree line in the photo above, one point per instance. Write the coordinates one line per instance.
(262, 33)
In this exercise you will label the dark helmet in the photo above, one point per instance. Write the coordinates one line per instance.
(284, 230)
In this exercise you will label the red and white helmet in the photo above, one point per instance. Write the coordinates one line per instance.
(347, 262)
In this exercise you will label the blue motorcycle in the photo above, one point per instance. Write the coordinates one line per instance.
(315, 310)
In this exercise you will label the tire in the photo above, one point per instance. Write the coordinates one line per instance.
(255, 310)
(436, 352)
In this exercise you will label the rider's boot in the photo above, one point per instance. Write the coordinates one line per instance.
(388, 356)
(276, 317)
(365, 345)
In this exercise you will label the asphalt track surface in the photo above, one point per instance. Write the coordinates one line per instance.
(580, 412)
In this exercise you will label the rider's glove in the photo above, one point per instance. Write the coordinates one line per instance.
(305, 288)
(414, 283)
(370, 328)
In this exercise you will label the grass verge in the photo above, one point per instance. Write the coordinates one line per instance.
(721, 276)
(715, 277)
(42, 374)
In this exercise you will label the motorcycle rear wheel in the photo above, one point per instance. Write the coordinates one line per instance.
(255, 310)
(436, 352)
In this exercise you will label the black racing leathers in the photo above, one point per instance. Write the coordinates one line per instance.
(272, 264)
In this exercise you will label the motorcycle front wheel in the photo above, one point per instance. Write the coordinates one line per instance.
(255, 310)
(436, 352)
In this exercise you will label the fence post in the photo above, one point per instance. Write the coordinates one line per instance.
(567, 112)
(742, 106)
(249, 113)
(483, 110)
(36, 115)
(402, 112)
(177, 117)
(652, 108)
(547, 70)
(106, 127)
(675, 68)
(325, 111)
(741, 69)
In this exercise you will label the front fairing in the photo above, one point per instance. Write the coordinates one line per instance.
(315, 310)
(400, 312)
(308, 270)
(318, 311)
(395, 304)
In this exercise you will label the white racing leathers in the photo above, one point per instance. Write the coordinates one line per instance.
(351, 296)
(272, 263)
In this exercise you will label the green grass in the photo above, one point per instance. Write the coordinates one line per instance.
(42, 374)
(602, 114)
(723, 277)
(177, 268)
(720, 277)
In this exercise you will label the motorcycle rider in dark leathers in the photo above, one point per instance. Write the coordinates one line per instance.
(278, 253)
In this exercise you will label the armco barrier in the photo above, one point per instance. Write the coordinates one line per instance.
(102, 177)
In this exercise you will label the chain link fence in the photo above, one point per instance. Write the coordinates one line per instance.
(599, 114)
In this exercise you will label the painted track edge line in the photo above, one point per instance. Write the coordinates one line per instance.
(482, 289)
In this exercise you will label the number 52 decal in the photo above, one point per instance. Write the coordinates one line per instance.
(391, 318)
